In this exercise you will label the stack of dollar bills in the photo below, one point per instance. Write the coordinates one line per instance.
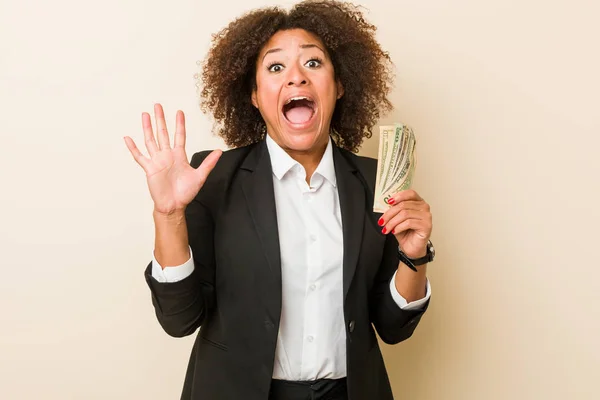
(396, 163)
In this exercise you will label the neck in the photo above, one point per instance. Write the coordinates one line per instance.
(310, 159)
(309, 162)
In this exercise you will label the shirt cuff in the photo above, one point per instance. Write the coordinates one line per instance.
(401, 301)
(172, 274)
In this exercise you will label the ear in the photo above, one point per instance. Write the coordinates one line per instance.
(254, 100)
(340, 89)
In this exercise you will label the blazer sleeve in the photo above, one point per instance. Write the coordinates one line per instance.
(181, 307)
(393, 324)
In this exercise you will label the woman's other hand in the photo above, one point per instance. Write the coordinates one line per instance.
(173, 183)
(409, 219)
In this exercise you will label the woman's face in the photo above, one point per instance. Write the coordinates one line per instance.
(296, 90)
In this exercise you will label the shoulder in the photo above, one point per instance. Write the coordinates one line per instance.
(223, 174)
(366, 166)
(229, 157)
(228, 165)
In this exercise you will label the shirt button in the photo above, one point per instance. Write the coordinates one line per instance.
(313, 286)
(351, 326)
(310, 338)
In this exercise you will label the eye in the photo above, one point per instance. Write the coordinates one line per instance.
(313, 63)
(275, 67)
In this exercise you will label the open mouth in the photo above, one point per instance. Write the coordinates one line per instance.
(299, 110)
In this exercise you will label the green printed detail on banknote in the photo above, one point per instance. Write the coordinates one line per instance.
(396, 163)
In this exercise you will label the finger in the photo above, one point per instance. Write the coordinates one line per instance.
(208, 164)
(136, 153)
(404, 205)
(161, 128)
(401, 216)
(422, 220)
(416, 225)
(149, 138)
(179, 129)
(404, 195)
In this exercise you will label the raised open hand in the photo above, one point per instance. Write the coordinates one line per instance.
(173, 183)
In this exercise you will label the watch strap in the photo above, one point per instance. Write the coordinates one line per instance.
(412, 263)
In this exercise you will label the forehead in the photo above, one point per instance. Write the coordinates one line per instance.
(291, 39)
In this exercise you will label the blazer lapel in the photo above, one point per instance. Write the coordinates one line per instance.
(351, 192)
(260, 197)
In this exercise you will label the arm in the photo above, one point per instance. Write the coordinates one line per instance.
(408, 224)
(181, 307)
(175, 187)
(411, 285)
(170, 238)
(393, 323)
(401, 301)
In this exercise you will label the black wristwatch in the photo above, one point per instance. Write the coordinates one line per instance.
(412, 263)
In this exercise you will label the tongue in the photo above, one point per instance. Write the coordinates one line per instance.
(298, 115)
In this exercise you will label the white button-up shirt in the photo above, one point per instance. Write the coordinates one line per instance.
(311, 342)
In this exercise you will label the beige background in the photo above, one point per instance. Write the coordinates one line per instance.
(503, 96)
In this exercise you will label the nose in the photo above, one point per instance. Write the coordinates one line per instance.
(297, 77)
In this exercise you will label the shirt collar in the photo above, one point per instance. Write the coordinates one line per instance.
(281, 162)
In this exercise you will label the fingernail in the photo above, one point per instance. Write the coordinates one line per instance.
(383, 231)
(380, 222)
(391, 200)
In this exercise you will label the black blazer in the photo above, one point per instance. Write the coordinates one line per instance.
(234, 293)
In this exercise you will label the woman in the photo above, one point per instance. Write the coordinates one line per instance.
(272, 248)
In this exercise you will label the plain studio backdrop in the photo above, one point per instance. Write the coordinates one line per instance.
(503, 98)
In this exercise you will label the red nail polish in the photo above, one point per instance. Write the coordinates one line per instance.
(380, 222)
(383, 231)
(391, 200)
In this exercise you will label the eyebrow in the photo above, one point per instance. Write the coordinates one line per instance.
(303, 46)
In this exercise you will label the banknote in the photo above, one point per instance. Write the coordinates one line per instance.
(396, 163)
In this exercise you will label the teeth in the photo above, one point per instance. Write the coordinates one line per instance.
(296, 98)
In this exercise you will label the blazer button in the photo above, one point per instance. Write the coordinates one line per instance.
(351, 326)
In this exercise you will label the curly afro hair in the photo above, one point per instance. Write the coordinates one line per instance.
(364, 69)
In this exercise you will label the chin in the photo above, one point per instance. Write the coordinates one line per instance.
(302, 141)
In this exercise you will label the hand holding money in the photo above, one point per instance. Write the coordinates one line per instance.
(405, 213)
(409, 219)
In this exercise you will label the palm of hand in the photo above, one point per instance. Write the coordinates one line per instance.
(172, 181)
